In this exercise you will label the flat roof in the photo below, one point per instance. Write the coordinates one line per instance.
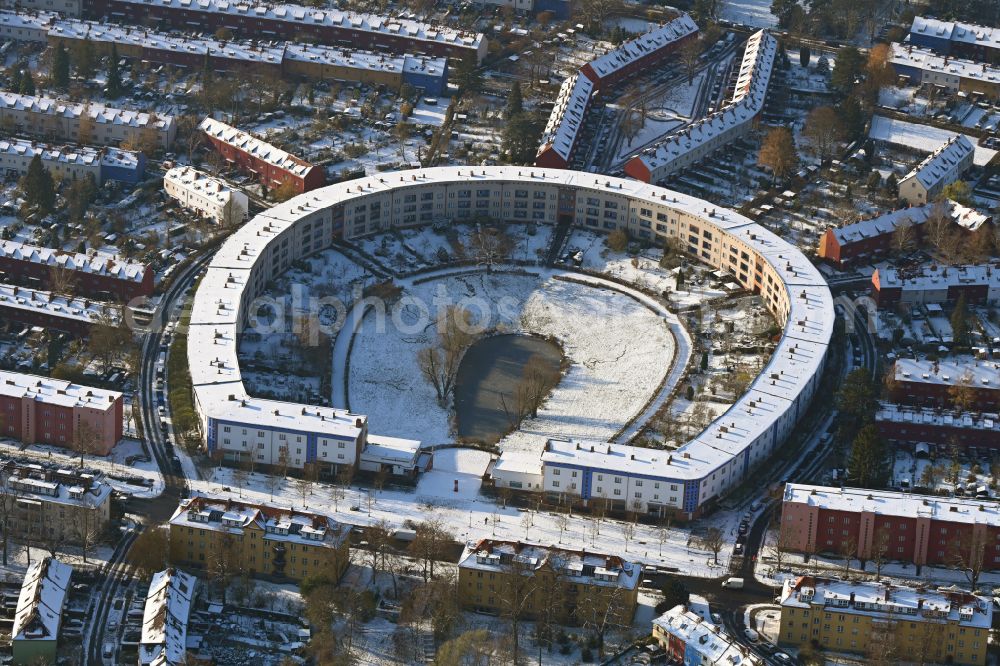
(55, 391)
(936, 277)
(893, 503)
(979, 373)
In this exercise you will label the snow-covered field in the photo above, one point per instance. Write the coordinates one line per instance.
(619, 352)
(755, 13)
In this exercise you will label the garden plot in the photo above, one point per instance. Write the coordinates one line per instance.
(282, 386)
(963, 474)
(389, 249)
(618, 349)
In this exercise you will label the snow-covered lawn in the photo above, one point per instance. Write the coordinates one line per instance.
(469, 517)
(754, 13)
(619, 351)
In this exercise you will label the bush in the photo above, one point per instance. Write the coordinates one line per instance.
(587, 655)
(617, 240)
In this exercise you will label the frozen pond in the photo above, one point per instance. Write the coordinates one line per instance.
(487, 381)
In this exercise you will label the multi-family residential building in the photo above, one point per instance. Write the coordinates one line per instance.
(32, 307)
(495, 575)
(895, 526)
(67, 7)
(695, 142)
(25, 27)
(332, 27)
(259, 540)
(561, 9)
(279, 59)
(165, 618)
(40, 410)
(270, 165)
(922, 67)
(935, 383)
(691, 639)
(916, 426)
(577, 93)
(86, 123)
(967, 40)
(706, 467)
(208, 196)
(56, 505)
(93, 275)
(35, 634)
(942, 167)
(905, 624)
(72, 162)
(977, 283)
(866, 240)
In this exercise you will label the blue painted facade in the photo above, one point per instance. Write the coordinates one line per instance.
(913, 73)
(940, 44)
(432, 83)
(125, 174)
(311, 438)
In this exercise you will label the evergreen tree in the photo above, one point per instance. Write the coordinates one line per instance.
(515, 104)
(520, 138)
(60, 67)
(27, 83)
(846, 69)
(114, 73)
(16, 75)
(804, 56)
(38, 187)
(468, 76)
(85, 59)
(852, 118)
(868, 466)
(960, 322)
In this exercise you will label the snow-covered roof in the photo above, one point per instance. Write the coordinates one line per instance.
(256, 147)
(30, 20)
(96, 264)
(334, 18)
(40, 603)
(710, 641)
(99, 113)
(955, 31)
(73, 155)
(881, 225)
(894, 503)
(747, 102)
(922, 138)
(341, 57)
(218, 304)
(906, 55)
(936, 277)
(165, 618)
(650, 42)
(577, 566)
(391, 450)
(944, 165)
(567, 115)
(884, 600)
(893, 413)
(55, 305)
(54, 391)
(59, 486)
(205, 185)
(982, 374)
(277, 523)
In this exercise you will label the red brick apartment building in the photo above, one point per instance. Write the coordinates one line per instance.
(253, 20)
(907, 528)
(270, 165)
(91, 276)
(868, 239)
(932, 383)
(910, 425)
(40, 410)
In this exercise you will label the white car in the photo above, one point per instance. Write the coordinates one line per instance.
(751, 635)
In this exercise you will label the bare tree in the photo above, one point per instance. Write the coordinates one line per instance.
(823, 130)
(880, 551)
(713, 540)
(62, 280)
(149, 551)
(86, 439)
(224, 562)
(377, 539)
(489, 247)
(848, 549)
(538, 379)
(904, 237)
(969, 556)
(87, 532)
(628, 532)
(562, 522)
(430, 544)
(601, 609)
(518, 586)
(439, 363)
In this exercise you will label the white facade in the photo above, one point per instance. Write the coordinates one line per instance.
(209, 196)
(67, 7)
(760, 261)
(25, 27)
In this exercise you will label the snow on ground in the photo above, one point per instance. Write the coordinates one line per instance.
(619, 351)
(472, 518)
(924, 138)
(454, 468)
(126, 467)
(755, 13)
